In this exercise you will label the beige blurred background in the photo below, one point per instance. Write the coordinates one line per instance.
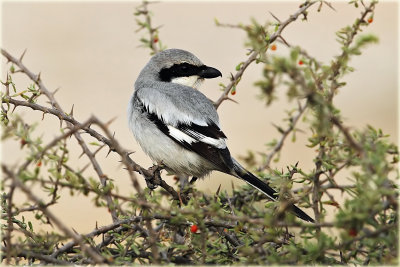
(90, 50)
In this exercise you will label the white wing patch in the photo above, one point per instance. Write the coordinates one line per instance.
(179, 135)
(182, 136)
(218, 143)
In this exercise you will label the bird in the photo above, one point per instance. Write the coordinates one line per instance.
(177, 126)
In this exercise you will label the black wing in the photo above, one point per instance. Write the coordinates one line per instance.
(207, 141)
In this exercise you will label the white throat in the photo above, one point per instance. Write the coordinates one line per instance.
(193, 81)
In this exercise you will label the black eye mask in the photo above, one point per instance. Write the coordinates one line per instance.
(186, 70)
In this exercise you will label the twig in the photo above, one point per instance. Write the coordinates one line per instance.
(368, 235)
(96, 232)
(101, 175)
(148, 25)
(54, 103)
(316, 185)
(40, 256)
(285, 133)
(347, 135)
(97, 258)
(110, 142)
(335, 66)
(10, 226)
(253, 56)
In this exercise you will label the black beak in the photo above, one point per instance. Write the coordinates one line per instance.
(209, 72)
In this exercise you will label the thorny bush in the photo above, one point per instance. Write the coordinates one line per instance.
(185, 225)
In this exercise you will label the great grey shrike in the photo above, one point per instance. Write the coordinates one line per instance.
(178, 126)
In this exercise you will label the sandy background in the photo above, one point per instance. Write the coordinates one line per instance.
(90, 50)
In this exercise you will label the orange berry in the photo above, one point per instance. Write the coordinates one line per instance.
(39, 164)
(370, 20)
(233, 92)
(194, 228)
(273, 47)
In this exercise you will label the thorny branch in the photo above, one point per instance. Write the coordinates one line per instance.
(154, 220)
(335, 70)
(147, 24)
(109, 140)
(285, 134)
(254, 55)
(97, 258)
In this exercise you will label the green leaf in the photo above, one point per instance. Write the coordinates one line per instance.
(30, 226)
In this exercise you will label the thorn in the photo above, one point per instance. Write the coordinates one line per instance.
(232, 77)
(55, 91)
(320, 6)
(83, 153)
(284, 41)
(75, 231)
(108, 153)
(219, 188)
(72, 111)
(280, 130)
(233, 186)
(98, 150)
(84, 168)
(129, 153)
(13, 109)
(228, 98)
(23, 54)
(38, 77)
(330, 5)
(61, 121)
(274, 17)
(109, 122)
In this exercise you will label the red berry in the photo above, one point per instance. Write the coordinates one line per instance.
(39, 164)
(23, 142)
(233, 92)
(352, 232)
(194, 228)
(155, 40)
(273, 47)
(370, 20)
(301, 62)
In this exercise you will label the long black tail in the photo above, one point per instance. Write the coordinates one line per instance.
(266, 189)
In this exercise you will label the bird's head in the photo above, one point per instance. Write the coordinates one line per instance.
(181, 67)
